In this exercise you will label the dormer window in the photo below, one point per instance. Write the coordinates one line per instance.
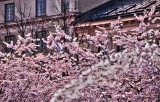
(40, 7)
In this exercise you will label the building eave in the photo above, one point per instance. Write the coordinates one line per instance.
(99, 14)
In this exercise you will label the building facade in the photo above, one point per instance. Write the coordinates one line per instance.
(110, 11)
(38, 7)
(23, 16)
(49, 7)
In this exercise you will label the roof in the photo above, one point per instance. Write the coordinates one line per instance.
(115, 8)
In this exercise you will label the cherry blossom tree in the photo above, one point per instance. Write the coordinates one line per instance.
(28, 75)
(70, 73)
(131, 75)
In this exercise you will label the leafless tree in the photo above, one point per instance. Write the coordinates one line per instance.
(65, 10)
(23, 20)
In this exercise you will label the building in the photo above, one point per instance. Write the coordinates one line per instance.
(86, 5)
(109, 12)
(38, 16)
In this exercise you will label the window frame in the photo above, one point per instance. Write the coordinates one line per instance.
(8, 39)
(39, 12)
(8, 14)
(40, 42)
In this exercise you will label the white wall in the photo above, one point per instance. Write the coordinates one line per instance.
(53, 7)
(28, 5)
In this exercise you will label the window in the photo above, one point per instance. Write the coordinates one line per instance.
(41, 7)
(119, 48)
(9, 39)
(76, 5)
(39, 40)
(64, 6)
(9, 12)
